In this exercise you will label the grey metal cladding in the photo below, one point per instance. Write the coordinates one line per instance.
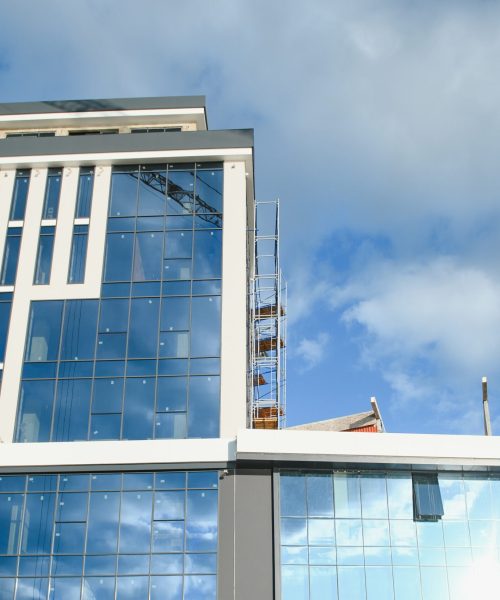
(123, 142)
(64, 106)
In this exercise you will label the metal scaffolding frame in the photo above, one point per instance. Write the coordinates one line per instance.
(267, 305)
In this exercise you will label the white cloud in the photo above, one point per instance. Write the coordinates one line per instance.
(311, 351)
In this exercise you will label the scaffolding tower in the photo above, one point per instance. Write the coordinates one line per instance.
(267, 303)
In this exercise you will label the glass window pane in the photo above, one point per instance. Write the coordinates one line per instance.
(152, 191)
(478, 498)
(434, 583)
(170, 426)
(453, 496)
(174, 344)
(321, 532)
(205, 326)
(200, 586)
(102, 534)
(118, 261)
(114, 316)
(403, 533)
(135, 521)
(168, 536)
(19, 196)
(52, 192)
(347, 495)
(207, 254)
(320, 495)
(143, 329)
(124, 188)
(376, 532)
(35, 411)
(44, 259)
(107, 396)
(69, 538)
(105, 427)
(131, 588)
(201, 520)
(10, 259)
(323, 583)
(100, 565)
(166, 588)
(169, 505)
(400, 496)
(294, 583)
(406, 583)
(175, 314)
(79, 329)
(379, 584)
(32, 589)
(78, 258)
(31, 566)
(71, 415)
(44, 331)
(178, 244)
(37, 525)
(138, 411)
(171, 394)
(208, 189)
(4, 326)
(178, 268)
(293, 531)
(203, 407)
(101, 588)
(373, 496)
(351, 583)
(84, 197)
(148, 256)
(349, 532)
(292, 495)
(111, 345)
(72, 506)
(11, 506)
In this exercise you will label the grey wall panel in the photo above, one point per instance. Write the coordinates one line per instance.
(250, 573)
(126, 142)
(59, 106)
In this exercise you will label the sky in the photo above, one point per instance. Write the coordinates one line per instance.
(377, 124)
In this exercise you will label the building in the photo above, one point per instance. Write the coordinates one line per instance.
(142, 357)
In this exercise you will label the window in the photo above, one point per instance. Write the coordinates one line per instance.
(78, 254)
(427, 502)
(11, 255)
(84, 196)
(20, 195)
(5, 307)
(31, 134)
(52, 193)
(155, 129)
(93, 535)
(93, 131)
(44, 256)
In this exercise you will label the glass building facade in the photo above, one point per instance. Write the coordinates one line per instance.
(143, 361)
(357, 536)
(107, 536)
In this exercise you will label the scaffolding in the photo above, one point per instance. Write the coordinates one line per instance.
(267, 304)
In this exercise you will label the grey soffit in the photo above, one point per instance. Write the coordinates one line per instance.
(124, 142)
(108, 104)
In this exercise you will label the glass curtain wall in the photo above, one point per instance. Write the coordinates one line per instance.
(107, 536)
(355, 536)
(143, 361)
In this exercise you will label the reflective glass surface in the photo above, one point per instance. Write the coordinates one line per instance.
(91, 536)
(84, 196)
(52, 193)
(142, 362)
(11, 256)
(43, 264)
(352, 536)
(20, 195)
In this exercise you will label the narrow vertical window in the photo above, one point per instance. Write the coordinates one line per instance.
(78, 254)
(427, 501)
(84, 196)
(44, 256)
(20, 195)
(5, 307)
(11, 256)
(52, 193)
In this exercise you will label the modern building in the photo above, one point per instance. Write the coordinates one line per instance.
(143, 453)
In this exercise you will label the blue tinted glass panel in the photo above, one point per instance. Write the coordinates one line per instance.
(10, 258)
(207, 256)
(203, 416)
(19, 196)
(79, 329)
(147, 256)
(44, 258)
(105, 427)
(4, 326)
(84, 197)
(37, 525)
(172, 394)
(107, 396)
(71, 415)
(170, 425)
(78, 258)
(143, 328)
(52, 193)
(209, 190)
(11, 506)
(152, 192)
(124, 188)
(118, 262)
(138, 411)
(35, 411)
(205, 326)
(135, 528)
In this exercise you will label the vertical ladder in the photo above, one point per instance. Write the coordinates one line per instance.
(267, 304)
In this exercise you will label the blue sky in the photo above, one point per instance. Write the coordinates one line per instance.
(377, 123)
